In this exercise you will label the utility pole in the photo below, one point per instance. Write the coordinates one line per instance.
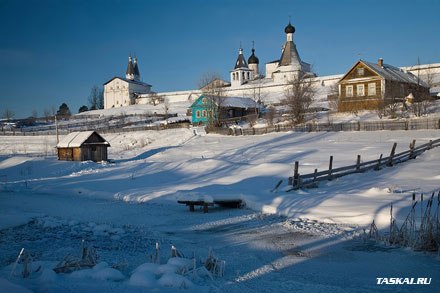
(56, 128)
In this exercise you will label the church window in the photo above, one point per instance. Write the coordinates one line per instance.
(248, 76)
(372, 89)
(242, 75)
(349, 91)
(197, 114)
(204, 113)
(360, 89)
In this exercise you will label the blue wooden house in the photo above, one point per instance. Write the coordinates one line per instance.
(214, 108)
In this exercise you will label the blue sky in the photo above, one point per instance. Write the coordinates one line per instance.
(54, 51)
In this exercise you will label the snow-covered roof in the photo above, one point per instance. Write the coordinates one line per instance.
(392, 73)
(76, 139)
(239, 102)
(129, 81)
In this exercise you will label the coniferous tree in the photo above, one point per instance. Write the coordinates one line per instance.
(83, 108)
(64, 110)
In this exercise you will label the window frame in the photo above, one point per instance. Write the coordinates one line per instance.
(349, 91)
(360, 90)
(372, 85)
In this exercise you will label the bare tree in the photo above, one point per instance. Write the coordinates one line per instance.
(96, 98)
(211, 84)
(53, 110)
(298, 97)
(166, 109)
(333, 97)
(212, 88)
(270, 115)
(8, 114)
(156, 99)
(46, 114)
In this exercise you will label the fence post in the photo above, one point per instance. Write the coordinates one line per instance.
(379, 162)
(330, 168)
(314, 175)
(390, 159)
(296, 175)
(411, 149)
(429, 145)
(358, 162)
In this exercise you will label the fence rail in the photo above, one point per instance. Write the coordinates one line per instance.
(102, 128)
(118, 124)
(313, 179)
(407, 124)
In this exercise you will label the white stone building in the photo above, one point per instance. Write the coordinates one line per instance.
(120, 92)
(247, 81)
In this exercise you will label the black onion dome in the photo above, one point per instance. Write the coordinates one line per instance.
(290, 29)
(253, 59)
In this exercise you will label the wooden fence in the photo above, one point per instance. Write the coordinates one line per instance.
(313, 179)
(103, 126)
(120, 124)
(407, 124)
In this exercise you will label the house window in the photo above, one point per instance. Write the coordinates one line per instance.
(197, 114)
(372, 89)
(204, 113)
(360, 71)
(349, 91)
(204, 100)
(360, 88)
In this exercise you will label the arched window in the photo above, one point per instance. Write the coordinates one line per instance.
(204, 113)
(248, 75)
(197, 114)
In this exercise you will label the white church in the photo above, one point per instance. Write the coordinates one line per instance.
(245, 79)
(120, 92)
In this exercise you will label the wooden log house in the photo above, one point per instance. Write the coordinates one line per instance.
(367, 86)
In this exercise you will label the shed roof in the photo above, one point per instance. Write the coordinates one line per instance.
(77, 139)
(230, 102)
(238, 102)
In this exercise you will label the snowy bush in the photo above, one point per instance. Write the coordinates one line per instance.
(175, 281)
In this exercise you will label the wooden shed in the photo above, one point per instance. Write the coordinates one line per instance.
(83, 146)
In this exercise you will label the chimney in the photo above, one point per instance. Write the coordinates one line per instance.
(380, 62)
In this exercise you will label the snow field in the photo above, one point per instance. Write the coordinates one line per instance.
(278, 243)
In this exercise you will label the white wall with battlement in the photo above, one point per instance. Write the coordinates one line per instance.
(271, 91)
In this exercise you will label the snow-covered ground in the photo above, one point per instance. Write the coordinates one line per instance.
(308, 240)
